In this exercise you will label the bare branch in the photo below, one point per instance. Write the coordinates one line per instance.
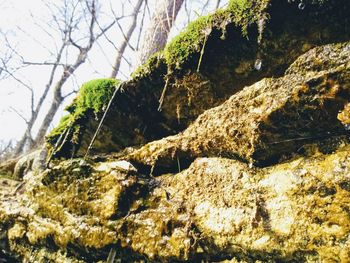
(126, 41)
(17, 79)
(19, 114)
(126, 38)
(188, 12)
(92, 23)
(43, 63)
(35, 40)
(205, 7)
(141, 27)
(69, 94)
(105, 29)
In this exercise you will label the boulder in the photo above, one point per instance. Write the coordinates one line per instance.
(34, 161)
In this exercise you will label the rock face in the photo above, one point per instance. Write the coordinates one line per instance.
(216, 209)
(261, 177)
(273, 117)
(211, 60)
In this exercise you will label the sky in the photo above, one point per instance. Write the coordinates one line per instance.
(25, 23)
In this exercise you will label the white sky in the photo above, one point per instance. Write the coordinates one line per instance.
(34, 45)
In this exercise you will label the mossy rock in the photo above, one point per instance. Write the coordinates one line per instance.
(90, 103)
(216, 209)
(223, 48)
(126, 123)
(223, 52)
(268, 121)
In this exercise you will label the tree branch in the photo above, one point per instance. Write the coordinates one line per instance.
(43, 63)
(19, 114)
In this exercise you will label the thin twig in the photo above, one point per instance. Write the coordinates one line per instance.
(43, 63)
(304, 138)
(111, 255)
(19, 114)
(103, 118)
(161, 99)
(202, 52)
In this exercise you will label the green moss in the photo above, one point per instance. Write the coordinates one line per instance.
(59, 129)
(152, 63)
(93, 96)
(188, 41)
(246, 12)
(241, 12)
(191, 40)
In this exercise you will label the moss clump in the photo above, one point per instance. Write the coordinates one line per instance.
(241, 12)
(152, 63)
(93, 97)
(59, 129)
(246, 12)
(188, 41)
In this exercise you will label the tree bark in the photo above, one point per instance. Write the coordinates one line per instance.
(58, 99)
(70, 69)
(127, 37)
(27, 138)
(157, 33)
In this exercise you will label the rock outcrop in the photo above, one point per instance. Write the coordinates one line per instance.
(216, 209)
(258, 170)
(270, 119)
(215, 57)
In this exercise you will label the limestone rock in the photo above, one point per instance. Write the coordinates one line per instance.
(263, 177)
(34, 161)
(211, 60)
(216, 209)
(272, 118)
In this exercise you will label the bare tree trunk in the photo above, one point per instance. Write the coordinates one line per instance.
(67, 29)
(69, 71)
(157, 33)
(127, 37)
(58, 98)
(27, 138)
(57, 101)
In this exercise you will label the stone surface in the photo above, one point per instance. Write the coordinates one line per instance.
(262, 177)
(174, 87)
(216, 209)
(34, 161)
(270, 119)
